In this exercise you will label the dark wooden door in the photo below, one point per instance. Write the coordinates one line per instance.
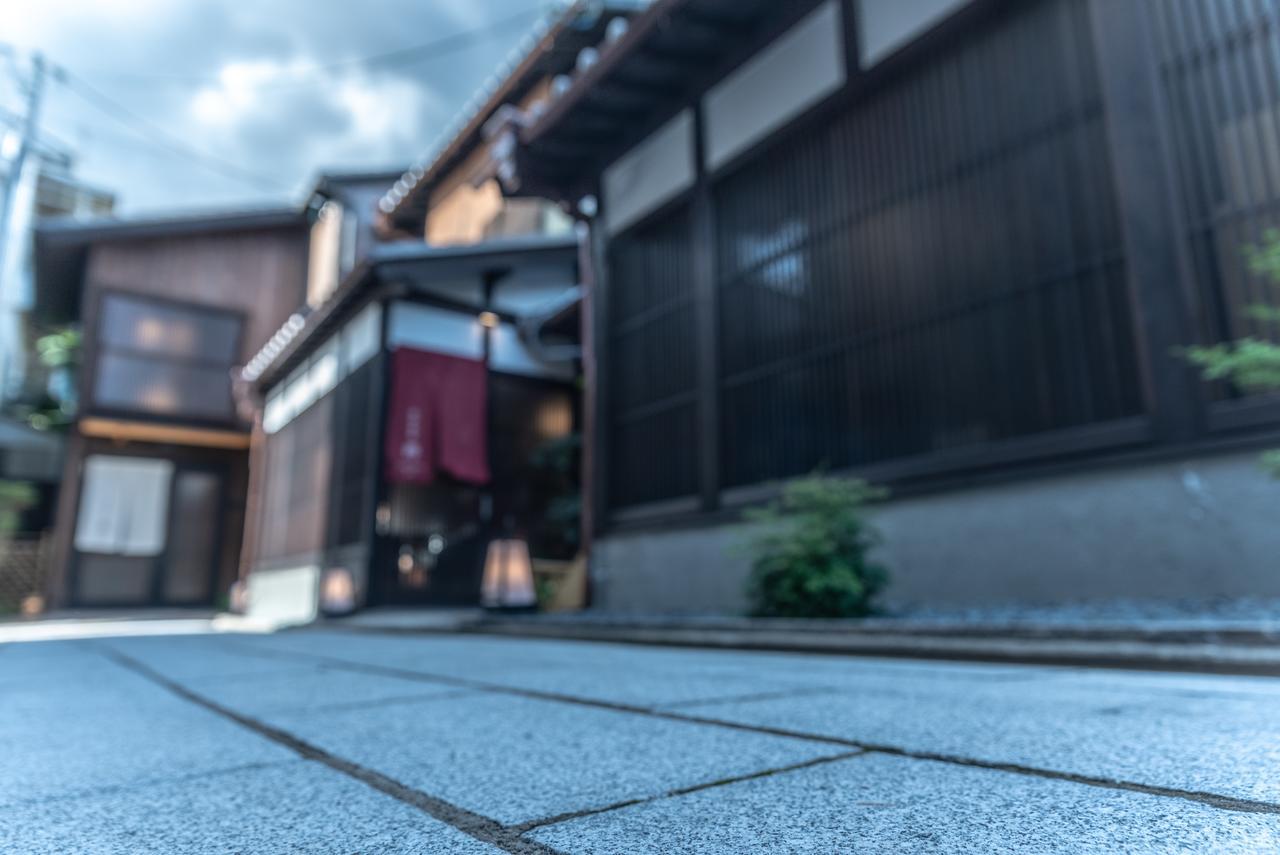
(190, 563)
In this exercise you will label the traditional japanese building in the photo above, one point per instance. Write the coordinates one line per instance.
(430, 402)
(153, 489)
(952, 246)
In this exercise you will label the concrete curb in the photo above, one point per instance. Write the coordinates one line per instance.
(1239, 650)
(1162, 632)
(1200, 657)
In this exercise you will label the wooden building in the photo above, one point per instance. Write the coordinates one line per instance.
(414, 416)
(420, 351)
(952, 246)
(152, 503)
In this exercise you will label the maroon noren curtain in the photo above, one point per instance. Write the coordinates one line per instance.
(437, 420)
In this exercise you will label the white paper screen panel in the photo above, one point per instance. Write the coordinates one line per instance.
(124, 506)
(362, 337)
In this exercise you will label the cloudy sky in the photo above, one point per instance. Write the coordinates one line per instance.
(273, 90)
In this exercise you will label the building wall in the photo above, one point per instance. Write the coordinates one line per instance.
(1195, 529)
(260, 274)
(463, 215)
(462, 210)
(980, 257)
(231, 465)
(324, 269)
(937, 268)
(318, 478)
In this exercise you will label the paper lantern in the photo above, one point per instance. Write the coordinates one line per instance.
(508, 577)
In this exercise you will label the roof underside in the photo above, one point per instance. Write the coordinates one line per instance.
(668, 52)
(583, 26)
(406, 264)
(62, 247)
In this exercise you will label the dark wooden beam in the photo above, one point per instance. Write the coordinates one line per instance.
(598, 319)
(656, 16)
(706, 325)
(1154, 249)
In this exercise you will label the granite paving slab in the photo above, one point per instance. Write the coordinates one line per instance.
(1219, 741)
(516, 759)
(294, 806)
(882, 804)
(105, 726)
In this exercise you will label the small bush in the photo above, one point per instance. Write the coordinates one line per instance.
(811, 559)
(1252, 364)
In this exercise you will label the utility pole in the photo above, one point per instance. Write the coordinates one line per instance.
(26, 144)
(9, 244)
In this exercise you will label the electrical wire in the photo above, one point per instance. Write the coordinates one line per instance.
(158, 136)
(315, 74)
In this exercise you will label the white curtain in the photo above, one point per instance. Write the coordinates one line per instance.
(124, 506)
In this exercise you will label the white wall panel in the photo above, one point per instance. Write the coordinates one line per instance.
(886, 25)
(435, 329)
(803, 66)
(652, 173)
(509, 355)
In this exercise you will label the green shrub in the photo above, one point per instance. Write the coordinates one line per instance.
(811, 558)
(1251, 364)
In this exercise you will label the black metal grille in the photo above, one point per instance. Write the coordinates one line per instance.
(940, 266)
(1220, 67)
(651, 370)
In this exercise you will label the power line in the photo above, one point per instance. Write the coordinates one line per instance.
(314, 74)
(161, 138)
(158, 136)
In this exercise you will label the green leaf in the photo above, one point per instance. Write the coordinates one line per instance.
(810, 553)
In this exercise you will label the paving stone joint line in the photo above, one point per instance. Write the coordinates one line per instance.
(1215, 800)
(526, 827)
(165, 780)
(482, 828)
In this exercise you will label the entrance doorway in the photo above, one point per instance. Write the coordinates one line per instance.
(430, 545)
(148, 533)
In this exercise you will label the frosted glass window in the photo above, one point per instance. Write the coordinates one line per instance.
(297, 392)
(275, 413)
(145, 384)
(186, 332)
(325, 366)
(165, 359)
(124, 506)
(362, 337)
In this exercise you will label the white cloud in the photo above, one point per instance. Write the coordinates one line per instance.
(246, 82)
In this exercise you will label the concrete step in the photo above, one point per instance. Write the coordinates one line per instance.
(1206, 648)
(1201, 646)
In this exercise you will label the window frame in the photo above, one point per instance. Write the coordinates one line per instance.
(96, 348)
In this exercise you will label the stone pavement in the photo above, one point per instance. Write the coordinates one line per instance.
(357, 743)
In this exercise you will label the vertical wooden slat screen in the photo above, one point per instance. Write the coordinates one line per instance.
(939, 267)
(652, 378)
(1220, 69)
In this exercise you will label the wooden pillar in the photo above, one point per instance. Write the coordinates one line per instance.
(1154, 245)
(596, 364)
(706, 326)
